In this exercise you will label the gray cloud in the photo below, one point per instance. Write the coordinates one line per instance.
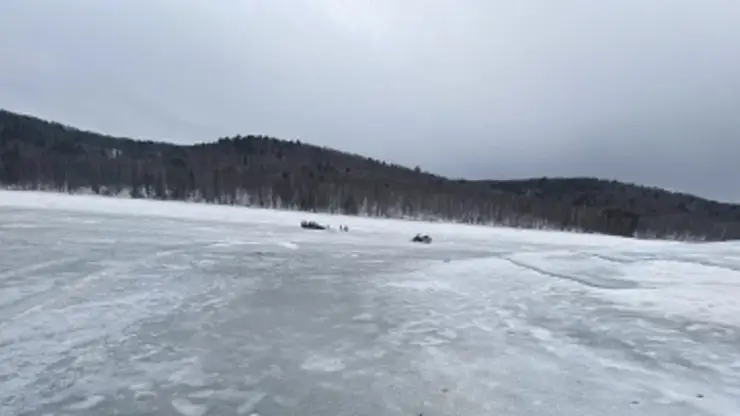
(634, 90)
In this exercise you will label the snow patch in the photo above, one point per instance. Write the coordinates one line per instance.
(186, 408)
(88, 403)
(431, 285)
(693, 291)
(323, 364)
(251, 401)
(363, 317)
(19, 226)
(191, 374)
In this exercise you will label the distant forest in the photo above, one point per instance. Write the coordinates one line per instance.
(267, 172)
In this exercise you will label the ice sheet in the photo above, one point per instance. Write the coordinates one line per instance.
(146, 307)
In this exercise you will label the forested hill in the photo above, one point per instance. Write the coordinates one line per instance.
(267, 172)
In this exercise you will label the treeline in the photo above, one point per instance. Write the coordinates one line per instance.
(267, 172)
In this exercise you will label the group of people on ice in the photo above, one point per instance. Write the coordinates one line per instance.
(313, 225)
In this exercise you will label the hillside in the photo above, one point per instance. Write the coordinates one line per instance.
(267, 172)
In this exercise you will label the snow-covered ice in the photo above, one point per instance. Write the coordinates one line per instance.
(113, 306)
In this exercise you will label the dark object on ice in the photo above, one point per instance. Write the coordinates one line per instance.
(312, 225)
(418, 238)
(343, 228)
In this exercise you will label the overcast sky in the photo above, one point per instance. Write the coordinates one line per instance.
(638, 90)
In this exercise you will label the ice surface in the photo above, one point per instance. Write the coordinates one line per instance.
(111, 306)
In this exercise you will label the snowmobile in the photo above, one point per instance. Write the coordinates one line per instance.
(425, 239)
(312, 225)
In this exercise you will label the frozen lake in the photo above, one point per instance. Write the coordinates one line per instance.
(111, 306)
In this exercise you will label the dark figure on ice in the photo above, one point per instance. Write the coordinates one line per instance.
(418, 238)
